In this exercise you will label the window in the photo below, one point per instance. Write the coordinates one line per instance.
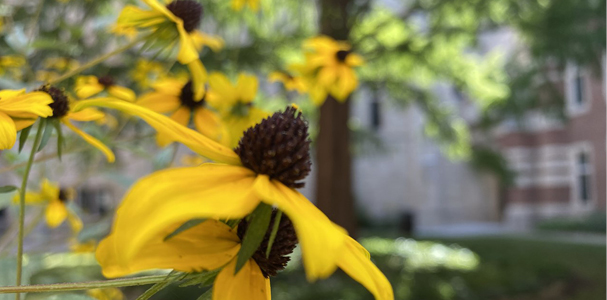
(375, 114)
(577, 90)
(583, 173)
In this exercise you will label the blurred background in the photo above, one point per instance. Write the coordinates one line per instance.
(470, 161)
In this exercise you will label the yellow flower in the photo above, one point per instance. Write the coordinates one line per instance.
(328, 68)
(88, 86)
(267, 166)
(106, 294)
(291, 83)
(19, 110)
(238, 5)
(235, 104)
(177, 20)
(146, 72)
(177, 97)
(56, 200)
(63, 110)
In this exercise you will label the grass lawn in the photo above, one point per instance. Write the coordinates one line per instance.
(513, 268)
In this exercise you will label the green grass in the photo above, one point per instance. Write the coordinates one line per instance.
(527, 269)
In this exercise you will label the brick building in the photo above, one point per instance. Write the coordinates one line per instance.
(559, 165)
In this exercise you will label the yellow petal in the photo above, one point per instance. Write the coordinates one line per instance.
(55, 213)
(192, 139)
(355, 262)
(174, 196)
(30, 198)
(248, 283)
(237, 5)
(354, 60)
(346, 83)
(201, 39)
(157, 6)
(222, 94)
(246, 87)
(181, 116)
(49, 190)
(122, 93)
(133, 16)
(199, 78)
(27, 105)
(75, 222)
(87, 86)
(91, 140)
(23, 123)
(207, 123)
(207, 246)
(321, 240)
(187, 49)
(170, 86)
(8, 132)
(159, 102)
(86, 115)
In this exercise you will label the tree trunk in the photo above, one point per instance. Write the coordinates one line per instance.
(334, 176)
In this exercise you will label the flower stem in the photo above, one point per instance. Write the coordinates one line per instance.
(274, 231)
(79, 286)
(95, 61)
(28, 167)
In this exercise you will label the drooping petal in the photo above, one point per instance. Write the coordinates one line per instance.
(23, 123)
(246, 87)
(25, 105)
(8, 132)
(122, 93)
(207, 123)
(86, 115)
(207, 246)
(75, 222)
(199, 78)
(321, 240)
(87, 86)
(222, 94)
(133, 16)
(192, 139)
(174, 196)
(170, 86)
(187, 50)
(55, 213)
(159, 102)
(200, 39)
(91, 140)
(157, 6)
(181, 116)
(345, 84)
(49, 190)
(248, 283)
(354, 60)
(355, 261)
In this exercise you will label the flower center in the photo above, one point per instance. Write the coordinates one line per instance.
(187, 10)
(341, 55)
(187, 97)
(279, 147)
(106, 81)
(63, 195)
(283, 245)
(60, 105)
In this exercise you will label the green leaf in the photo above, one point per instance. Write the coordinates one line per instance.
(7, 189)
(201, 279)
(258, 225)
(207, 295)
(48, 131)
(185, 226)
(60, 139)
(25, 132)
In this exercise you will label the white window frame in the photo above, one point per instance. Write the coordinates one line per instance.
(573, 107)
(576, 202)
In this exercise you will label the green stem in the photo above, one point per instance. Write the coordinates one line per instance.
(28, 167)
(95, 61)
(156, 288)
(273, 233)
(79, 286)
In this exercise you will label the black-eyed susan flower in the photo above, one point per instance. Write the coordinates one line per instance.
(290, 81)
(88, 86)
(235, 104)
(19, 110)
(175, 96)
(62, 111)
(329, 69)
(238, 5)
(56, 200)
(268, 165)
(173, 23)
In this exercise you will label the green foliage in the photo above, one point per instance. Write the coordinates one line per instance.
(594, 222)
(487, 159)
